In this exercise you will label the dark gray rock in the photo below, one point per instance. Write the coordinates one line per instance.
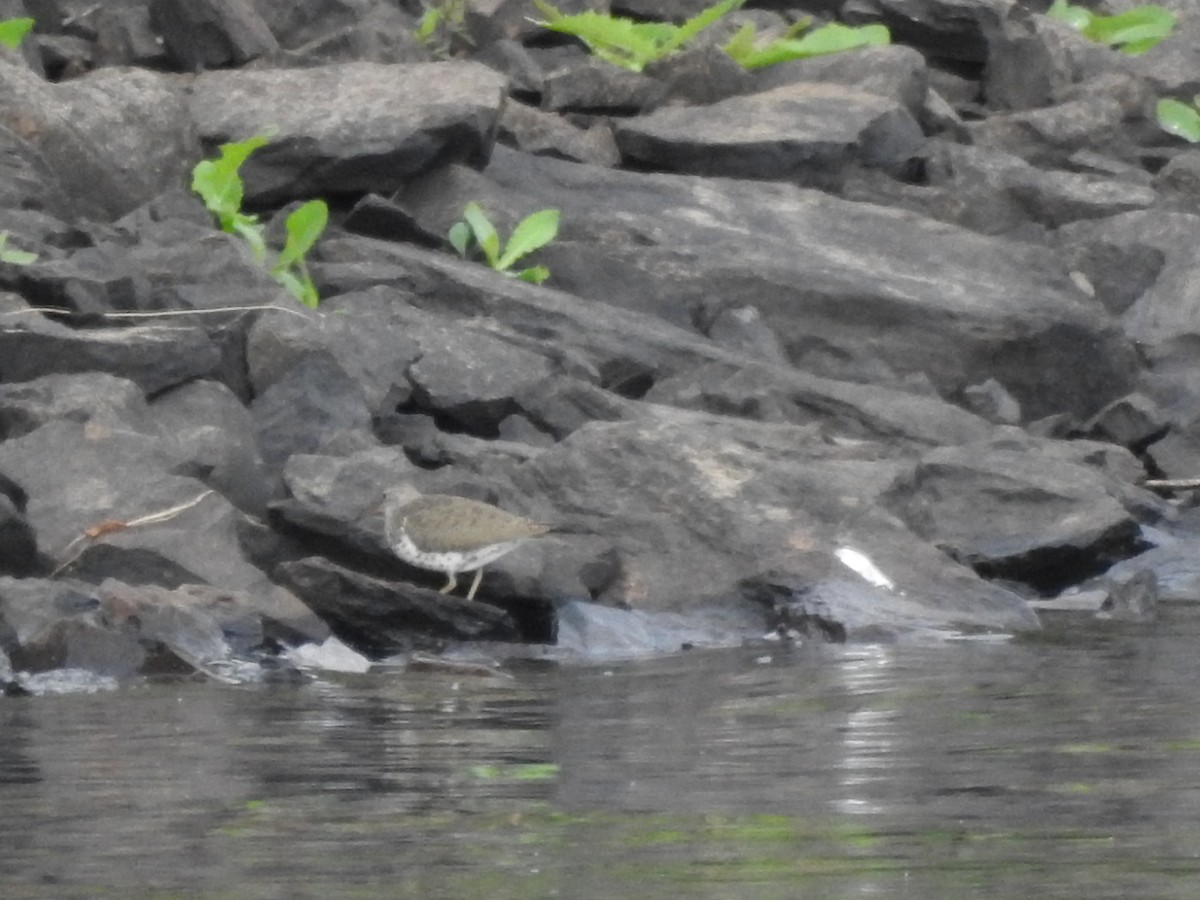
(18, 542)
(155, 357)
(585, 83)
(112, 139)
(1096, 114)
(945, 29)
(995, 192)
(381, 618)
(96, 478)
(1165, 309)
(1053, 517)
(214, 437)
(894, 71)
(349, 30)
(310, 404)
(806, 133)
(828, 276)
(349, 128)
(105, 401)
(209, 34)
(991, 401)
(701, 75)
(1134, 421)
(698, 506)
(545, 134)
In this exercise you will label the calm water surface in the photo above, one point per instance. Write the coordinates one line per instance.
(1049, 769)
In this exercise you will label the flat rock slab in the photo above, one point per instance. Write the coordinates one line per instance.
(853, 291)
(349, 128)
(1052, 507)
(805, 133)
(155, 357)
(703, 510)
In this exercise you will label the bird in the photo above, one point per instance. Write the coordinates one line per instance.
(451, 534)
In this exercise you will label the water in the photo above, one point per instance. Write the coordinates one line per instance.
(1057, 768)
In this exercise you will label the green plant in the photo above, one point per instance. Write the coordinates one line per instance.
(440, 24)
(534, 231)
(1179, 118)
(1133, 32)
(13, 256)
(220, 185)
(626, 43)
(13, 31)
(831, 38)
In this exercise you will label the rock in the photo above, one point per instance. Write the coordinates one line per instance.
(854, 414)
(991, 308)
(155, 357)
(1053, 517)
(110, 140)
(362, 120)
(1134, 421)
(991, 401)
(805, 144)
(212, 33)
(380, 618)
(311, 403)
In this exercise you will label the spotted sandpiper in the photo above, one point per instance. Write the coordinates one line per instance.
(451, 534)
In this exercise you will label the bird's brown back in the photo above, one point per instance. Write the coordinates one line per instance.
(442, 523)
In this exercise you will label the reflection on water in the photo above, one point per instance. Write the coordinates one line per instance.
(1049, 769)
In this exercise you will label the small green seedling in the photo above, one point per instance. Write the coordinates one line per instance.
(442, 22)
(13, 256)
(1133, 32)
(1179, 118)
(626, 43)
(831, 38)
(534, 231)
(304, 225)
(220, 185)
(13, 31)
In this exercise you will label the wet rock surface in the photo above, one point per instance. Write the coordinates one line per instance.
(852, 347)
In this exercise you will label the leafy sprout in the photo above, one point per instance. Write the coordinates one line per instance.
(1132, 32)
(534, 231)
(219, 183)
(831, 38)
(13, 31)
(1179, 118)
(13, 256)
(626, 43)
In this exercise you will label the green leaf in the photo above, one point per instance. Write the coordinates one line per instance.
(517, 771)
(299, 285)
(1179, 119)
(428, 24)
(460, 237)
(534, 231)
(13, 256)
(831, 38)
(534, 274)
(304, 226)
(247, 228)
(741, 45)
(217, 180)
(484, 231)
(1142, 26)
(626, 43)
(1075, 16)
(13, 31)
(697, 23)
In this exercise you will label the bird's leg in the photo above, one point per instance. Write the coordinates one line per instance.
(450, 585)
(475, 583)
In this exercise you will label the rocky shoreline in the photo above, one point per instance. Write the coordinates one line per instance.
(878, 344)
